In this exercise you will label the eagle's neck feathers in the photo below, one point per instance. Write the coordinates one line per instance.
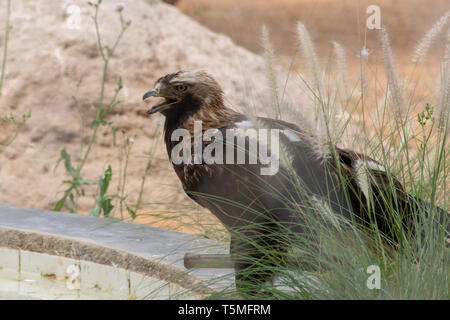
(210, 111)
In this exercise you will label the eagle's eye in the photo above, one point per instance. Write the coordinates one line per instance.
(181, 87)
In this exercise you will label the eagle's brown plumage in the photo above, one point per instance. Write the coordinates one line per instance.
(256, 208)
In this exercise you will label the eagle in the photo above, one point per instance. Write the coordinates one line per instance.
(262, 204)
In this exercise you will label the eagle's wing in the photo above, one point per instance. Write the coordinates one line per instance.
(240, 195)
(353, 184)
(254, 207)
(349, 183)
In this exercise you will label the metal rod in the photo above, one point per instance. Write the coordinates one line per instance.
(217, 261)
(224, 261)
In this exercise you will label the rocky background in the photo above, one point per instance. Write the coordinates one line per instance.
(48, 56)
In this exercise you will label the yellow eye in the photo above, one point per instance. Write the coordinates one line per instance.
(181, 87)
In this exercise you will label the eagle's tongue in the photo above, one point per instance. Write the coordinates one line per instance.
(156, 108)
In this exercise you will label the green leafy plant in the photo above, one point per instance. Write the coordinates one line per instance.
(77, 182)
(103, 201)
(18, 126)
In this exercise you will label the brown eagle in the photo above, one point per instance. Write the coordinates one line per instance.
(260, 207)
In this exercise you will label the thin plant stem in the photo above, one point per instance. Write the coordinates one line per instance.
(101, 109)
(5, 48)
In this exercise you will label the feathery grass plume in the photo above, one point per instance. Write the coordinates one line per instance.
(391, 72)
(447, 48)
(425, 44)
(444, 106)
(309, 52)
(342, 67)
(269, 54)
(321, 113)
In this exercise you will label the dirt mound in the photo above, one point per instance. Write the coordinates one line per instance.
(46, 59)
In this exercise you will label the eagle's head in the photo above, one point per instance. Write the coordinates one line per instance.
(185, 92)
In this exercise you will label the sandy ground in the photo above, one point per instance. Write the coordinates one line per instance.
(46, 59)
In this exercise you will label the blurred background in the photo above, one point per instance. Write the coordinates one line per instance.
(326, 20)
(53, 71)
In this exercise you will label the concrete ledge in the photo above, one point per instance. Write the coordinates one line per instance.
(138, 250)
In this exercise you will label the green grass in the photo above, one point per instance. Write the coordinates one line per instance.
(334, 258)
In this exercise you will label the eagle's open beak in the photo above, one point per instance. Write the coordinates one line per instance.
(153, 93)
(160, 106)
